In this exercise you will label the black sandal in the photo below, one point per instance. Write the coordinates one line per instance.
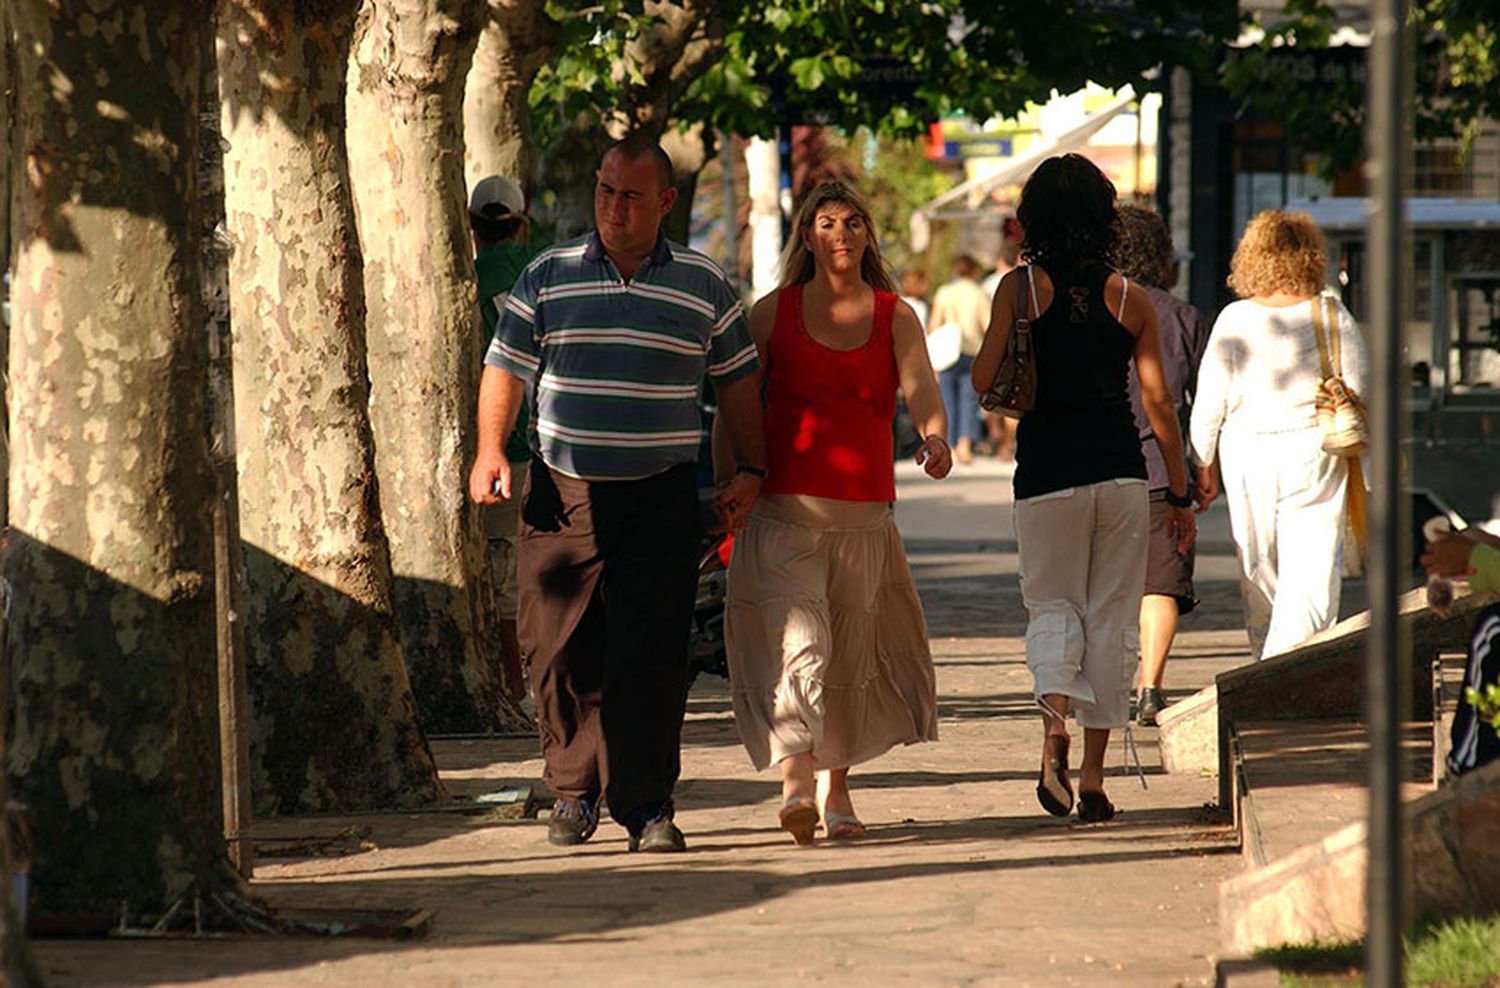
(1095, 807)
(1052, 788)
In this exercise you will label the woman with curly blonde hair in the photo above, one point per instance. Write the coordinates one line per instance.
(1254, 425)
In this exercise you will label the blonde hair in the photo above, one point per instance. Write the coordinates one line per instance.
(1280, 252)
(797, 264)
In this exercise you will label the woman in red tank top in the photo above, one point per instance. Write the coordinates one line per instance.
(827, 645)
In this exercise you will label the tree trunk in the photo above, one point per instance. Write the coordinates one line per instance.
(689, 150)
(406, 103)
(568, 167)
(763, 163)
(17, 968)
(110, 559)
(335, 725)
(516, 41)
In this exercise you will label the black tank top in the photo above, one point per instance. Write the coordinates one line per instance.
(1081, 430)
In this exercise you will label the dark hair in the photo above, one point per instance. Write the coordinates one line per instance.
(495, 231)
(1145, 249)
(964, 266)
(1068, 212)
(637, 147)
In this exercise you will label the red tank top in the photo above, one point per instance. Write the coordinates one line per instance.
(829, 412)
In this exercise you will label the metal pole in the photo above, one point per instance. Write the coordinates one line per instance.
(1386, 678)
(234, 695)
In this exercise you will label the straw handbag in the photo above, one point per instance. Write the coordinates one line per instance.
(1340, 415)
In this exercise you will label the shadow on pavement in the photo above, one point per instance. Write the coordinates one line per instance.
(621, 894)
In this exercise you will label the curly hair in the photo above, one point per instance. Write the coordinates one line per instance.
(1145, 249)
(1280, 252)
(1068, 212)
(796, 263)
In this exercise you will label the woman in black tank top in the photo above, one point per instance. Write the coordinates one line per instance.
(1080, 483)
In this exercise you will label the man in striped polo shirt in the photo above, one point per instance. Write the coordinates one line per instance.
(614, 334)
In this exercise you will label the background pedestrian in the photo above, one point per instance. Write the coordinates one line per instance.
(1147, 258)
(501, 229)
(963, 303)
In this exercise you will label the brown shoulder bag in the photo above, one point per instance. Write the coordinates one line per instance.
(1013, 391)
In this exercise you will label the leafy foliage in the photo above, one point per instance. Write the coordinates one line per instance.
(1455, 65)
(1486, 704)
(890, 65)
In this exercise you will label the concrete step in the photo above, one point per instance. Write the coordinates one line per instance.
(1302, 781)
(1322, 678)
(1316, 892)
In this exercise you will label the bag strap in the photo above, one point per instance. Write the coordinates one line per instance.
(1318, 331)
(1031, 285)
(1124, 294)
(1334, 338)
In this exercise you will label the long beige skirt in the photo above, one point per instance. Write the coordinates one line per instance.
(827, 644)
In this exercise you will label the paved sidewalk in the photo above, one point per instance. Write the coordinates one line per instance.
(963, 879)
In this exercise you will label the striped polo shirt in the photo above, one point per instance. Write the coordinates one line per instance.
(616, 366)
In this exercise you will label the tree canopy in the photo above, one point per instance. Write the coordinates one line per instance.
(1455, 68)
(891, 66)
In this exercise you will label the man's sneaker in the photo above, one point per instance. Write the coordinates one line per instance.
(573, 822)
(660, 835)
(1152, 703)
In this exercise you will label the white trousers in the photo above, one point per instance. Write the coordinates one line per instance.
(1286, 511)
(1083, 568)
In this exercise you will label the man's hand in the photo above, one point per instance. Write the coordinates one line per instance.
(935, 457)
(489, 480)
(1183, 526)
(735, 501)
(1208, 486)
(1448, 555)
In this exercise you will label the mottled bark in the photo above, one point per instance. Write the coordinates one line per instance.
(684, 40)
(516, 41)
(110, 557)
(406, 103)
(17, 968)
(335, 725)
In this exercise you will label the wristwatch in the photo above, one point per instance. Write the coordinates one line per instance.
(752, 471)
(1179, 500)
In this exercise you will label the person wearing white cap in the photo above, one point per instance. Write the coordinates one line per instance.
(498, 222)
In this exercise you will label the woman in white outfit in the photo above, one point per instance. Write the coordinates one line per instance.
(1254, 424)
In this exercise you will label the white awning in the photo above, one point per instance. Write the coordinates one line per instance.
(1344, 214)
(1018, 168)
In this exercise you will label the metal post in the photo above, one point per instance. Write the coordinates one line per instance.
(234, 696)
(1386, 677)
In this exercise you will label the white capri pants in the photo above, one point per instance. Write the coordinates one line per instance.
(1083, 569)
(1286, 510)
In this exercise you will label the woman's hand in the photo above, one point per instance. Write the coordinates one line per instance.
(935, 457)
(1208, 486)
(1448, 555)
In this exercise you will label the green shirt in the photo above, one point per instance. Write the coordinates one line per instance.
(498, 266)
(1484, 560)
